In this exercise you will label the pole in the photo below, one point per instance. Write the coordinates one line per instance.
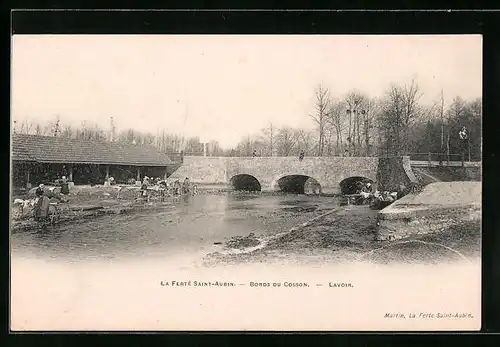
(468, 146)
(204, 149)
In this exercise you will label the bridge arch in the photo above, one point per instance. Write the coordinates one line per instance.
(245, 182)
(297, 183)
(350, 185)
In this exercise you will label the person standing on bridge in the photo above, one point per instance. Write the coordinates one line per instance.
(301, 155)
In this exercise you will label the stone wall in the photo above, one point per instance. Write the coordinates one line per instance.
(202, 170)
(421, 222)
(439, 206)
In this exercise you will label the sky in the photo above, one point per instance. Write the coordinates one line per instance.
(225, 87)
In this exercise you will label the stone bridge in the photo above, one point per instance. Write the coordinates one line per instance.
(326, 174)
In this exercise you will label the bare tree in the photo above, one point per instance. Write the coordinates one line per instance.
(67, 131)
(412, 109)
(268, 139)
(304, 141)
(400, 110)
(38, 130)
(56, 127)
(320, 116)
(368, 116)
(248, 146)
(112, 129)
(336, 122)
(26, 127)
(286, 141)
(355, 103)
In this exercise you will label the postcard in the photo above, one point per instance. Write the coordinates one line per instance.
(246, 183)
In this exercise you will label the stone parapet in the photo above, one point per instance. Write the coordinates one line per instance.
(438, 207)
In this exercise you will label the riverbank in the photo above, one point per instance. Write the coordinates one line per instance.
(347, 235)
(80, 212)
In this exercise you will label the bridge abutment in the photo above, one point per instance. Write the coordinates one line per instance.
(393, 172)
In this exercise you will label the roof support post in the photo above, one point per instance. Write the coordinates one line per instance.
(70, 172)
(28, 184)
(138, 173)
(166, 173)
(107, 172)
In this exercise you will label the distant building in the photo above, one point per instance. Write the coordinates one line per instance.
(43, 159)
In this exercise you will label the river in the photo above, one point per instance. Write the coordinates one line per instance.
(194, 226)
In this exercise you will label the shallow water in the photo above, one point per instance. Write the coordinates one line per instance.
(193, 226)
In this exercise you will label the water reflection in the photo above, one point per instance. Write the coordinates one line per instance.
(194, 223)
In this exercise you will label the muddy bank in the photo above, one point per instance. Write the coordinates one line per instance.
(87, 202)
(278, 223)
(348, 235)
(79, 213)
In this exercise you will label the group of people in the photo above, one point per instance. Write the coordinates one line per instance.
(364, 194)
(175, 189)
(42, 202)
(380, 199)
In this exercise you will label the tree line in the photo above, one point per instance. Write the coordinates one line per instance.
(395, 124)
(162, 140)
(353, 125)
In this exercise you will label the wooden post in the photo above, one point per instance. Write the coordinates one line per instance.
(429, 159)
(107, 172)
(138, 173)
(28, 184)
(70, 173)
(468, 146)
(166, 173)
